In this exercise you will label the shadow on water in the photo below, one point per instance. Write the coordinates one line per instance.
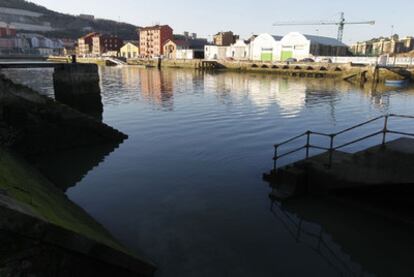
(88, 104)
(352, 241)
(67, 168)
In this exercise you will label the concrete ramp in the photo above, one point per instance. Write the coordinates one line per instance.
(387, 165)
(379, 166)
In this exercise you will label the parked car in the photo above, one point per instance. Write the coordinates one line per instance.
(291, 60)
(326, 60)
(307, 60)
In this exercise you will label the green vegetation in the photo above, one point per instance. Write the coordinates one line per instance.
(69, 26)
(26, 185)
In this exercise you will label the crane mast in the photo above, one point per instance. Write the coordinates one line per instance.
(341, 24)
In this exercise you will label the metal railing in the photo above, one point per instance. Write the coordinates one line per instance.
(308, 134)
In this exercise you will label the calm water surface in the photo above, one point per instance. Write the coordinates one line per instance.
(185, 189)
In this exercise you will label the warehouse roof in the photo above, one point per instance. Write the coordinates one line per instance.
(325, 40)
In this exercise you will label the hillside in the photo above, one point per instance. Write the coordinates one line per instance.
(69, 26)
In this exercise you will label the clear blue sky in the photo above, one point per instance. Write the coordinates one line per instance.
(251, 16)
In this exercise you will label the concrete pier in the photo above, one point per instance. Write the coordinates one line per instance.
(381, 166)
(77, 85)
(32, 124)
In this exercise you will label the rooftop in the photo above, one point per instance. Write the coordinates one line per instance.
(325, 40)
(155, 27)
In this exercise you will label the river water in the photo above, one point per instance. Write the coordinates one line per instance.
(185, 190)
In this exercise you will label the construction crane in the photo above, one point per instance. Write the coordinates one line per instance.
(341, 24)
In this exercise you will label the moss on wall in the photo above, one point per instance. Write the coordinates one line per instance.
(24, 184)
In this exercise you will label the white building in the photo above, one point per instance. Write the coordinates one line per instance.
(270, 48)
(185, 54)
(298, 46)
(239, 51)
(214, 52)
(43, 45)
(265, 48)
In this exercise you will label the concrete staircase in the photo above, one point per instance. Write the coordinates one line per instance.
(379, 166)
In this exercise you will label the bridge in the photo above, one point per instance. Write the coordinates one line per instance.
(17, 65)
(75, 84)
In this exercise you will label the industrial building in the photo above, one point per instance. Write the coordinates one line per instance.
(270, 48)
(266, 48)
(298, 46)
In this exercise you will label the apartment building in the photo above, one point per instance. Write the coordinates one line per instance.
(152, 40)
(225, 38)
(85, 44)
(102, 44)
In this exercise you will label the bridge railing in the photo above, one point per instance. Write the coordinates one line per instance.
(332, 137)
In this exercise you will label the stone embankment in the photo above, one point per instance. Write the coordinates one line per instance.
(357, 73)
(350, 72)
(32, 124)
(42, 233)
(77, 85)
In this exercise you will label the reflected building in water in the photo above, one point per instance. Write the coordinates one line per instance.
(291, 95)
(262, 91)
(157, 87)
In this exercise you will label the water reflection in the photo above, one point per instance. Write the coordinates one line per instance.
(67, 168)
(185, 189)
(352, 241)
(157, 87)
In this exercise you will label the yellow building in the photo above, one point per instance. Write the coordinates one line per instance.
(130, 50)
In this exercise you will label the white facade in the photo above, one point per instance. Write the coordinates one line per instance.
(214, 52)
(265, 47)
(184, 54)
(295, 45)
(239, 51)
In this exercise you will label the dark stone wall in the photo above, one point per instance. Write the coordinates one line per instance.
(77, 85)
(34, 124)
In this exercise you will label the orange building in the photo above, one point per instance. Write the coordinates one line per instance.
(85, 44)
(152, 40)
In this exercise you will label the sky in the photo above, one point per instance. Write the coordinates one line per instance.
(247, 17)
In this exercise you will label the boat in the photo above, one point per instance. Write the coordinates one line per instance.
(396, 83)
